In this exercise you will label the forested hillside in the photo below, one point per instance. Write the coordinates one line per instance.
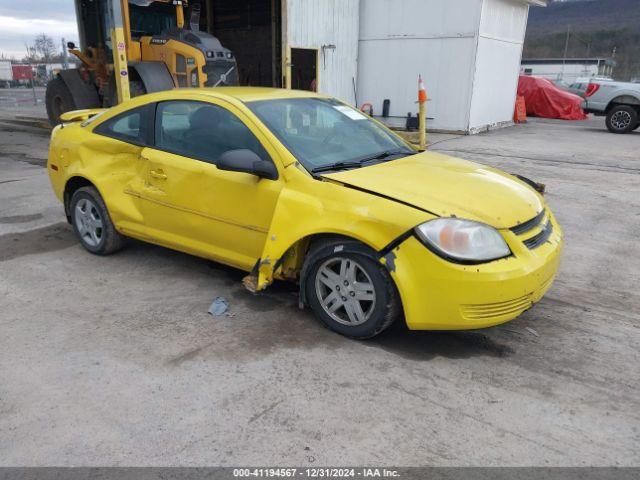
(597, 27)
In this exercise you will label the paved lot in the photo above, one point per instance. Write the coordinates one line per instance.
(114, 361)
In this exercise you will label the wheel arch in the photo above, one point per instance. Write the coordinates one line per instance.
(294, 260)
(625, 99)
(84, 94)
(155, 76)
(70, 187)
(294, 256)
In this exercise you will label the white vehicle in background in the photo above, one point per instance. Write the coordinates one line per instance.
(618, 101)
(6, 74)
(579, 86)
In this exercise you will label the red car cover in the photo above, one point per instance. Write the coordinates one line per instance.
(544, 99)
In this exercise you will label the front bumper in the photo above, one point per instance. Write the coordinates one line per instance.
(440, 295)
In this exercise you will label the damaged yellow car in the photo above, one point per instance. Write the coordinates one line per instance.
(298, 186)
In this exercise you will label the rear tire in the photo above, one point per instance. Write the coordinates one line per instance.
(58, 100)
(622, 119)
(349, 291)
(92, 223)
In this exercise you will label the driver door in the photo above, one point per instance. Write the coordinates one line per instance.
(193, 206)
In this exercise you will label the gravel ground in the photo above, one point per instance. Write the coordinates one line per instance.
(114, 361)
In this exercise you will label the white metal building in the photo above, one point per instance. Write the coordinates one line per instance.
(330, 29)
(568, 69)
(366, 51)
(468, 52)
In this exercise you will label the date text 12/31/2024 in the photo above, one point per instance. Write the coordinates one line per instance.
(319, 472)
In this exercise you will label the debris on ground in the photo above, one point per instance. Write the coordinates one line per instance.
(219, 306)
(532, 331)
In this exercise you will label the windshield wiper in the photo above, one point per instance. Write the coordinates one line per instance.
(337, 166)
(386, 154)
(361, 161)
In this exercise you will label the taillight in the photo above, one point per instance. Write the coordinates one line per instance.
(591, 89)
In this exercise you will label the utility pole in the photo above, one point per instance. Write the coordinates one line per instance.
(566, 47)
(30, 54)
(65, 63)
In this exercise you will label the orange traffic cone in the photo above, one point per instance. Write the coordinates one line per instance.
(422, 92)
(422, 114)
(520, 113)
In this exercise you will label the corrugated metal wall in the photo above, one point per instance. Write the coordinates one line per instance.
(322, 23)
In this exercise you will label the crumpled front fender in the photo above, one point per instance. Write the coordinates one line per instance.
(306, 210)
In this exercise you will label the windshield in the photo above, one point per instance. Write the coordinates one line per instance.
(152, 19)
(322, 133)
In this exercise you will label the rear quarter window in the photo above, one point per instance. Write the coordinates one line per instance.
(131, 126)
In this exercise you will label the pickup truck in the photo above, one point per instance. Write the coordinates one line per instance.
(619, 101)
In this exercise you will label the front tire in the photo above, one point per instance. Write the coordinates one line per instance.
(622, 119)
(350, 292)
(92, 223)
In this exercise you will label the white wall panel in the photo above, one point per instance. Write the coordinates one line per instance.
(418, 18)
(318, 23)
(497, 64)
(495, 83)
(400, 39)
(504, 20)
(390, 68)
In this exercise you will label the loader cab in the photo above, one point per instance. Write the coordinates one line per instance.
(151, 20)
(161, 54)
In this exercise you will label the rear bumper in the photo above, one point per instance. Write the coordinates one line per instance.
(439, 295)
(593, 107)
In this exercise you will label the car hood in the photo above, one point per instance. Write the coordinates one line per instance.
(447, 186)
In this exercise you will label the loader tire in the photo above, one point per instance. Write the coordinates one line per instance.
(58, 100)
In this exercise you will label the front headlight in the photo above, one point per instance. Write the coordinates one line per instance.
(463, 241)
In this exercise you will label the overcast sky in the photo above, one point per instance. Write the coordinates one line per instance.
(22, 20)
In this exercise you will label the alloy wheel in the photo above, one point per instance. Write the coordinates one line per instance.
(88, 222)
(621, 120)
(345, 291)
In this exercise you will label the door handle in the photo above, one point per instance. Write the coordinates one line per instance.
(159, 174)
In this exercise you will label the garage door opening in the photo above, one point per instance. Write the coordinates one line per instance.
(251, 29)
(304, 69)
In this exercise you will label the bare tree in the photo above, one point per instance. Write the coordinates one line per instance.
(31, 55)
(45, 47)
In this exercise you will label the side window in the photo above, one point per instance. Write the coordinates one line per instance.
(202, 131)
(129, 126)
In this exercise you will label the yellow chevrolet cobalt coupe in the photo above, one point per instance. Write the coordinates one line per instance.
(298, 186)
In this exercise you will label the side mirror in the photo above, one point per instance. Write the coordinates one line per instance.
(71, 45)
(246, 161)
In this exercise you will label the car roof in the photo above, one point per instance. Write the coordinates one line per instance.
(248, 94)
(232, 94)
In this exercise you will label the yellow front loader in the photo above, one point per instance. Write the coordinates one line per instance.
(131, 47)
